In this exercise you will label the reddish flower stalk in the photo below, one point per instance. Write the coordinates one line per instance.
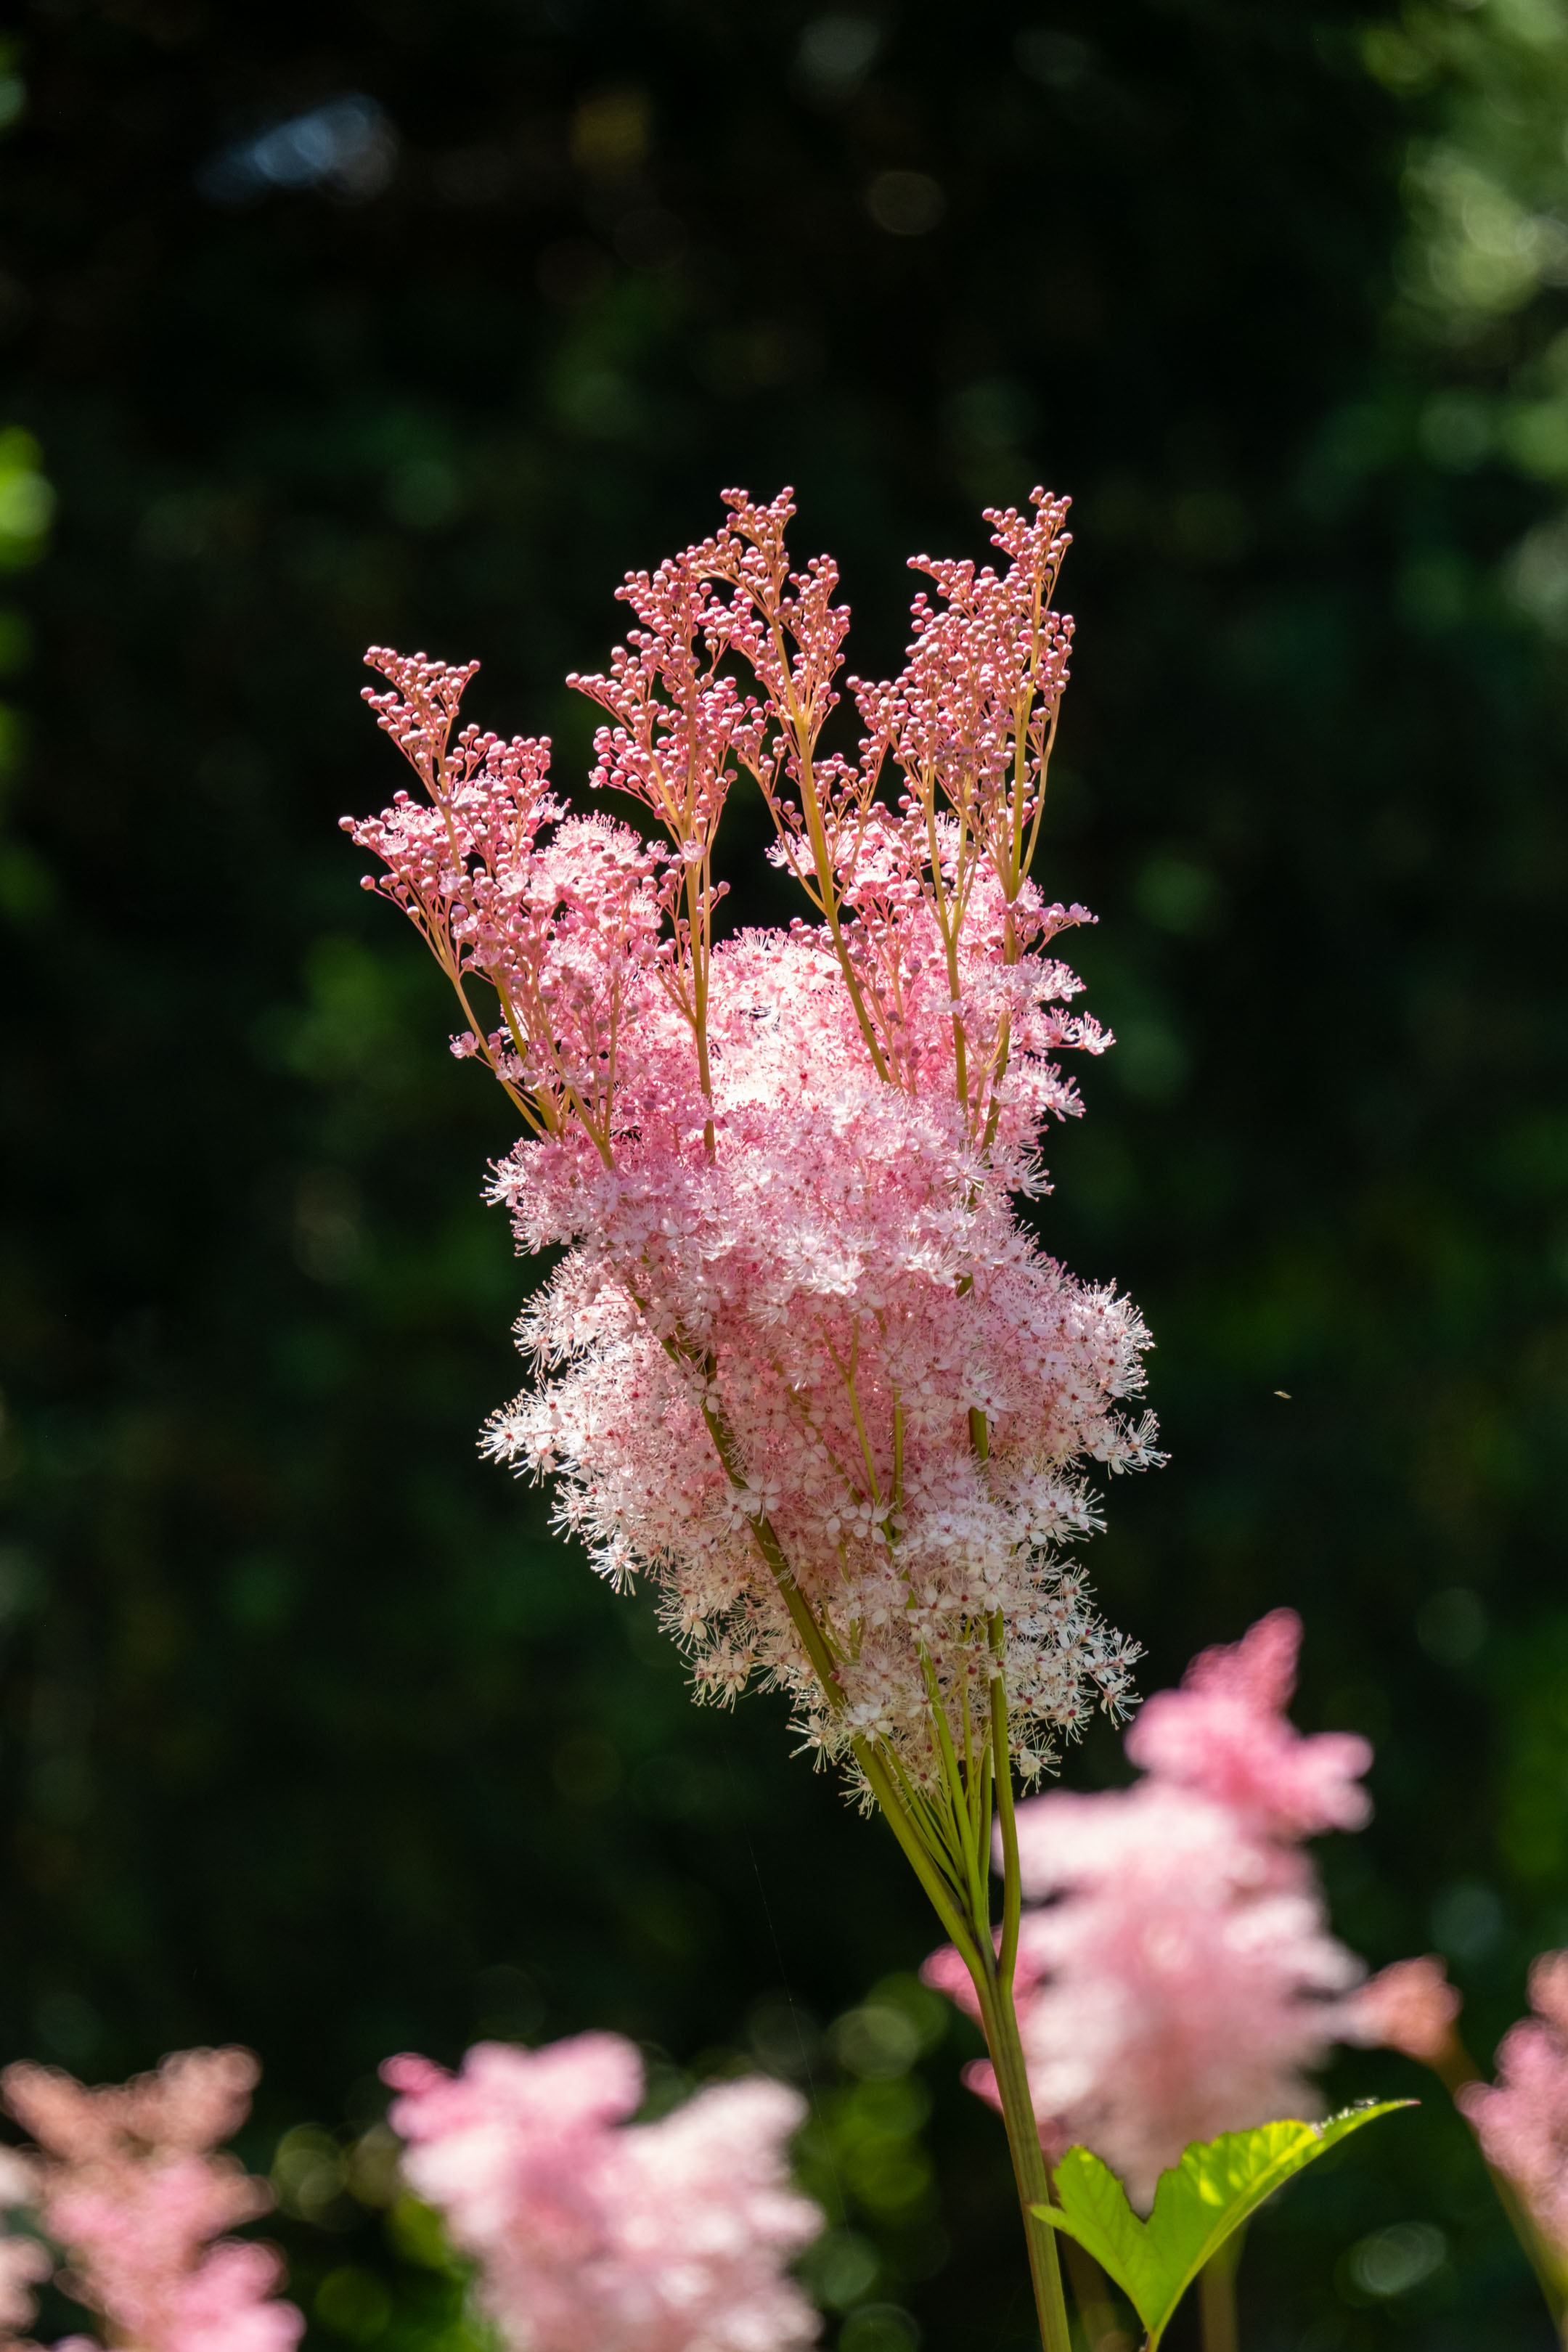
(801, 1367)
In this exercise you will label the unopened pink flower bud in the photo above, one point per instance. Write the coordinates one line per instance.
(1409, 2006)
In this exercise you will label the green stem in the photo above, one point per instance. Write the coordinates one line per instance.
(1001, 2023)
(964, 1910)
(1095, 2311)
(999, 2016)
(1217, 2297)
(1012, 1888)
(944, 1897)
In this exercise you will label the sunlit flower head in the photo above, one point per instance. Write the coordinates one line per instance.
(803, 1366)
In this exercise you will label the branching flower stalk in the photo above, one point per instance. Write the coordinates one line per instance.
(801, 1367)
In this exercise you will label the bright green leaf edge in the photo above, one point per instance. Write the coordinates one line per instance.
(1197, 2204)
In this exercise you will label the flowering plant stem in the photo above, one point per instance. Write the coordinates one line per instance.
(968, 1923)
(1216, 2296)
(601, 950)
(1028, 2165)
(945, 1830)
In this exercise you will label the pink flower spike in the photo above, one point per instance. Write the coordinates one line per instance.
(783, 1167)
(591, 2234)
(129, 2184)
(1225, 1734)
(1186, 1981)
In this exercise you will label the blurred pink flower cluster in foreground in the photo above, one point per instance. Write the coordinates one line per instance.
(125, 2180)
(596, 2235)
(589, 2234)
(1177, 1978)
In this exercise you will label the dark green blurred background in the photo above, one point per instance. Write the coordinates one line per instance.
(312, 1735)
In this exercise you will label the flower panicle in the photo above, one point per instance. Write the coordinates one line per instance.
(801, 1367)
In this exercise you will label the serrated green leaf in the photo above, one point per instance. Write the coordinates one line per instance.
(1197, 2205)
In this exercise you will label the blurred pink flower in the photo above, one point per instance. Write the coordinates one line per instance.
(24, 2265)
(1226, 1734)
(23, 2262)
(1176, 1977)
(593, 2234)
(127, 2182)
(1521, 2120)
(1176, 1981)
(1410, 2006)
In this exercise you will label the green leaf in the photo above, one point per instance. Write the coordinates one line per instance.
(1197, 2205)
